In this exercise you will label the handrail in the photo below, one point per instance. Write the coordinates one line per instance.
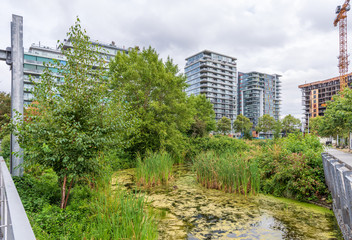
(14, 223)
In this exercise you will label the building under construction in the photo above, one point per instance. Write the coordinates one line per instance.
(316, 94)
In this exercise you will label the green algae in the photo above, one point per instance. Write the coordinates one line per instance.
(186, 210)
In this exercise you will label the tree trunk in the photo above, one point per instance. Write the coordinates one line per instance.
(68, 193)
(63, 192)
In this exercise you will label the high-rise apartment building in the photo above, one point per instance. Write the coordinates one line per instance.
(37, 55)
(316, 94)
(259, 94)
(214, 75)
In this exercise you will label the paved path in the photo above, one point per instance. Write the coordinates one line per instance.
(342, 156)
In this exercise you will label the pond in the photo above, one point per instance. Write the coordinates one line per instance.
(186, 210)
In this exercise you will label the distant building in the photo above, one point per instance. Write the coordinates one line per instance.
(259, 94)
(316, 94)
(214, 75)
(37, 55)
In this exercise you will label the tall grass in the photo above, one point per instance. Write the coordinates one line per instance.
(154, 169)
(228, 171)
(120, 215)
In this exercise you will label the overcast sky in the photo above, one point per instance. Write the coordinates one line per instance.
(294, 38)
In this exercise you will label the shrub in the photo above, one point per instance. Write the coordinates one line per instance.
(6, 147)
(292, 167)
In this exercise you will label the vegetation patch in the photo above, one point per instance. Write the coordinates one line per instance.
(228, 171)
(154, 169)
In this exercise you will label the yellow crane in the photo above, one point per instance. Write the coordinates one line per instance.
(341, 19)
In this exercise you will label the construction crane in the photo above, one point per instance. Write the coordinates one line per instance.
(341, 19)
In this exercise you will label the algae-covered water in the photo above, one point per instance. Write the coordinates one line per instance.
(186, 210)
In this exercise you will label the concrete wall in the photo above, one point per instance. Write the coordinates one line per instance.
(338, 177)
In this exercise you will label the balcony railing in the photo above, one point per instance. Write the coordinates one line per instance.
(14, 223)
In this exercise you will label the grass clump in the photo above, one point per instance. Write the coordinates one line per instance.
(154, 169)
(228, 171)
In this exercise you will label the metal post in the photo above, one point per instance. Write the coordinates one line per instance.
(16, 89)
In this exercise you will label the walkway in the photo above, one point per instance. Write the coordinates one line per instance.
(342, 156)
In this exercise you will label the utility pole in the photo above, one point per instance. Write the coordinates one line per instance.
(14, 57)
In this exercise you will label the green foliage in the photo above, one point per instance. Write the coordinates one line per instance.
(292, 167)
(105, 214)
(204, 116)
(120, 215)
(277, 129)
(224, 125)
(337, 118)
(265, 123)
(6, 147)
(217, 144)
(155, 91)
(72, 122)
(290, 124)
(242, 124)
(5, 112)
(228, 171)
(154, 169)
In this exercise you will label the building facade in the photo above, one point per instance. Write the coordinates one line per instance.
(37, 55)
(259, 94)
(316, 94)
(214, 75)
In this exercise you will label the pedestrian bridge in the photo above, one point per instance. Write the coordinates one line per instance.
(338, 177)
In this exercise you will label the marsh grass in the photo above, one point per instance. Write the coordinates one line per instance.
(120, 215)
(154, 169)
(228, 171)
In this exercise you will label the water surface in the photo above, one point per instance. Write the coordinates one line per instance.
(186, 210)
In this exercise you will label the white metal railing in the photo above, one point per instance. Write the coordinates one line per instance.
(14, 223)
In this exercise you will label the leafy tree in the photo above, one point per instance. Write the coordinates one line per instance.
(224, 125)
(155, 90)
(290, 124)
(277, 129)
(242, 124)
(265, 123)
(316, 125)
(5, 112)
(338, 115)
(204, 116)
(71, 123)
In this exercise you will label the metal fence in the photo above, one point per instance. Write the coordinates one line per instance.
(14, 223)
(338, 177)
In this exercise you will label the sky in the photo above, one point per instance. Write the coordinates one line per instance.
(293, 38)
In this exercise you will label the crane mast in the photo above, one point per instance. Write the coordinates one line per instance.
(341, 19)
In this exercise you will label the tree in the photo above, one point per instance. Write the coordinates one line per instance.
(71, 123)
(242, 124)
(5, 112)
(338, 115)
(290, 124)
(265, 123)
(224, 125)
(316, 125)
(155, 91)
(277, 129)
(203, 114)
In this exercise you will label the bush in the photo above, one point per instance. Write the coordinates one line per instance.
(6, 147)
(217, 143)
(292, 167)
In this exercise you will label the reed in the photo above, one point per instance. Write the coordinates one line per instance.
(120, 215)
(228, 171)
(154, 169)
